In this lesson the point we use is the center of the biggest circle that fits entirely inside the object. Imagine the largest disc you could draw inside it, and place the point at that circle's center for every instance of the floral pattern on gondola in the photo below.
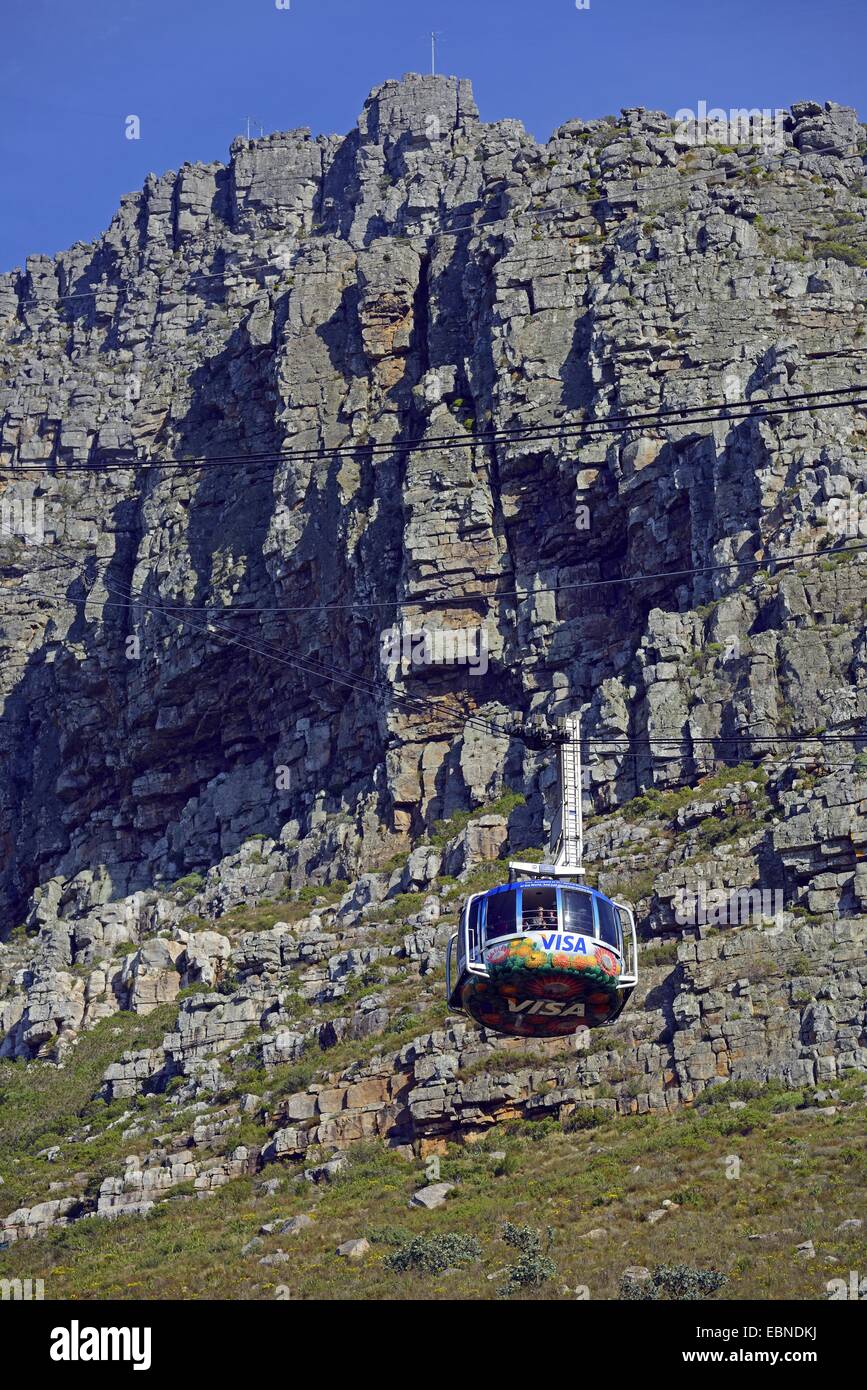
(525, 956)
(523, 975)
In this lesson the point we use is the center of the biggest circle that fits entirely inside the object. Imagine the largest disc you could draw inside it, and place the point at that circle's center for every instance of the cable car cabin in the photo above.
(542, 958)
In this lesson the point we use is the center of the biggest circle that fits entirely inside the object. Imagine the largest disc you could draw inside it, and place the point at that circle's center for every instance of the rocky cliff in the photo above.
(427, 277)
(284, 404)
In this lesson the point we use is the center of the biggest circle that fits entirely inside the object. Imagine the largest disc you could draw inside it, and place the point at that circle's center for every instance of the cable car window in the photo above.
(539, 909)
(501, 914)
(473, 916)
(578, 913)
(608, 923)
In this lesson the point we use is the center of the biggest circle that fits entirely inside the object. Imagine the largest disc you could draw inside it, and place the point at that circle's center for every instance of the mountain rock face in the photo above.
(432, 278)
(221, 794)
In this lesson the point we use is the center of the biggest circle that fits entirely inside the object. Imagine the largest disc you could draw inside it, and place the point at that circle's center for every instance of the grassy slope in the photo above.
(802, 1173)
(43, 1106)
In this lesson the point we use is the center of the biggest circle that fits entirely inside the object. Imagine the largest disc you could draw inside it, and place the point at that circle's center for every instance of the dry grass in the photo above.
(802, 1173)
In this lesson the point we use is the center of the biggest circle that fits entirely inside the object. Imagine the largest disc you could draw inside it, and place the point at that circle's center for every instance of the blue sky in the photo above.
(193, 70)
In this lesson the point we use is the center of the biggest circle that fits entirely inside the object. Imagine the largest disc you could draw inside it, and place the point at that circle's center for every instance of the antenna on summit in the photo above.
(434, 35)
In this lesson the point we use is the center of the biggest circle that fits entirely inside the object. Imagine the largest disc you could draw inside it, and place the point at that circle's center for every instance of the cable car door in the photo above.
(466, 946)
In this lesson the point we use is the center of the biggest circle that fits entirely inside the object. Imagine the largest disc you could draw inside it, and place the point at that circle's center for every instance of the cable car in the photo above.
(540, 956)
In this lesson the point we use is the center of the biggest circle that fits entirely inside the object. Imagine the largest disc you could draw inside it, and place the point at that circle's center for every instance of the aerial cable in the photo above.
(458, 719)
(725, 414)
(520, 595)
(363, 685)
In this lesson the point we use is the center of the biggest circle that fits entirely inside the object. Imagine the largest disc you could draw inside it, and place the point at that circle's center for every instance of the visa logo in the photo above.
(548, 1008)
(558, 942)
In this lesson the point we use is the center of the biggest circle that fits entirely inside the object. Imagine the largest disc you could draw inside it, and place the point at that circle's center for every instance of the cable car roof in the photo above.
(542, 883)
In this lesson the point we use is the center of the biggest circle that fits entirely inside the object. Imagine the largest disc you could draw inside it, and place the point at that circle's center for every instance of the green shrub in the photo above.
(741, 1090)
(665, 804)
(483, 876)
(390, 1235)
(532, 1131)
(329, 892)
(398, 908)
(635, 887)
(534, 1265)
(190, 990)
(673, 1282)
(187, 887)
(662, 953)
(433, 1254)
(445, 830)
(840, 251)
(503, 1062)
(583, 1117)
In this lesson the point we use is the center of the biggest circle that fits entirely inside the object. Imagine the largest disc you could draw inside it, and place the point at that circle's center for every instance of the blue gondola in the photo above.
(540, 957)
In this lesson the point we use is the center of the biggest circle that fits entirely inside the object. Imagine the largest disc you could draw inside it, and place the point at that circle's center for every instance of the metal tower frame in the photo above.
(567, 827)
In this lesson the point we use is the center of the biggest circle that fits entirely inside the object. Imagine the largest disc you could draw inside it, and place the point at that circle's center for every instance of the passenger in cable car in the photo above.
(539, 909)
(540, 919)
